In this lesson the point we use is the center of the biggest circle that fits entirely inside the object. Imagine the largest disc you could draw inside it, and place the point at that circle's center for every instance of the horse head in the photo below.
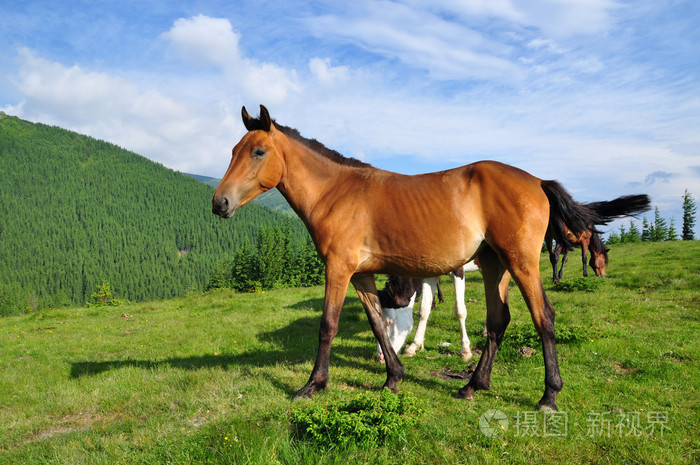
(597, 262)
(599, 256)
(256, 165)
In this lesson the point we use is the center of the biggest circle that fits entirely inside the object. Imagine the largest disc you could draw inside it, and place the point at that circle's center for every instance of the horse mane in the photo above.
(597, 245)
(319, 148)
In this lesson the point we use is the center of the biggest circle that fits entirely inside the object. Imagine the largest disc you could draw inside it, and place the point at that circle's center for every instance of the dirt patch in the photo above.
(622, 369)
(69, 423)
(527, 352)
(449, 374)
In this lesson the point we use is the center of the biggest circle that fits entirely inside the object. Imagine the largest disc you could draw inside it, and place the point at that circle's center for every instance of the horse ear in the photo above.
(265, 120)
(247, 119)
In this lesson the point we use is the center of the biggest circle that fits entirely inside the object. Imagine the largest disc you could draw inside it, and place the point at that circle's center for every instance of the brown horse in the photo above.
(588, 241)
(364, 220)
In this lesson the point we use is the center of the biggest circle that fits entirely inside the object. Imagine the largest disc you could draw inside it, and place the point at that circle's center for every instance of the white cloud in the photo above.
(327, 74)
(566, 18)
(204, 40)
(556, 18)
(445, 49)
(209, 41)
(112, 108)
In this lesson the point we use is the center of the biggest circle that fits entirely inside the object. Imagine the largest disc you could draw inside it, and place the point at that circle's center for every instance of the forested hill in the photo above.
(75, 211)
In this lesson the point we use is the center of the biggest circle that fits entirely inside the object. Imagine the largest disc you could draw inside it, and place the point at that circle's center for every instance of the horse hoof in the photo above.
(466, 356)
(392, 387)
(298, 397)
(547, 408)
(308, 391)
(466, 392)
(410, 351)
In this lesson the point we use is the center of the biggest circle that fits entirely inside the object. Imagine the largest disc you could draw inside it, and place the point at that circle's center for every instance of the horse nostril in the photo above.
(219, 205)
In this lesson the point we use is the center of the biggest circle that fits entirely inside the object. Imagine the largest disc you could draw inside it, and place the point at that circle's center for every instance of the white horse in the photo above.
(398, 298)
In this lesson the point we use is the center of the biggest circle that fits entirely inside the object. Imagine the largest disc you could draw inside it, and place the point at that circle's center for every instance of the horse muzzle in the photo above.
(220, 205)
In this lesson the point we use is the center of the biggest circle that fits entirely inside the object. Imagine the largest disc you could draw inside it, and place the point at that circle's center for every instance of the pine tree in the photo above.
(660, 228)
(689, 210)
(613, 238)
(672, 233)
(623, 233)
(646, 230)
(633, 234)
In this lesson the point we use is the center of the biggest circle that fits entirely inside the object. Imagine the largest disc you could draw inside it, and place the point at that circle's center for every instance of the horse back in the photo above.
(430, 224)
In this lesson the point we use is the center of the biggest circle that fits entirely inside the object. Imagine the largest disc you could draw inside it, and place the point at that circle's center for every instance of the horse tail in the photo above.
(564, 210)
(622, 206)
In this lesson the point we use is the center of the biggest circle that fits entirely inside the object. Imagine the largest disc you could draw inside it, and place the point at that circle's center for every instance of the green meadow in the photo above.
(208, 378)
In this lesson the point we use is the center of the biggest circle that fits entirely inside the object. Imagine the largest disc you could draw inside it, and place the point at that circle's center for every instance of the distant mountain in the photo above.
(75, 211)
(271, 199)
(213, 182)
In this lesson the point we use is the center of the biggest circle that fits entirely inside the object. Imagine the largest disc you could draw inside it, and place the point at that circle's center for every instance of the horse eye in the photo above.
(258, 152)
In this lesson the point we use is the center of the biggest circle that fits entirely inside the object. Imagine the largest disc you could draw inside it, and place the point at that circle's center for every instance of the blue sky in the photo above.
(602, 95)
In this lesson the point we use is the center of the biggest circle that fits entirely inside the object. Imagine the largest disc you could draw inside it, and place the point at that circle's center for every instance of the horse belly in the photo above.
(420, 251)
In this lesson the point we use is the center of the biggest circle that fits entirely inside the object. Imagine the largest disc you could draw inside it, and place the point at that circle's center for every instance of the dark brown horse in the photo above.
(488, 210)
(589, 239)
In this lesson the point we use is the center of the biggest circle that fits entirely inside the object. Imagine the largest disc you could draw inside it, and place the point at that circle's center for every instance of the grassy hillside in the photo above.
(75, 211)
(208, 378)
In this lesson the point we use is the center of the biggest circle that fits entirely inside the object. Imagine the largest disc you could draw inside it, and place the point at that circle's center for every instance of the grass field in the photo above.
(208, 378)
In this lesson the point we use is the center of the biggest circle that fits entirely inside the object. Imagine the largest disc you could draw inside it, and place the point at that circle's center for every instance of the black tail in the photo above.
(622, 206)
(564, 210)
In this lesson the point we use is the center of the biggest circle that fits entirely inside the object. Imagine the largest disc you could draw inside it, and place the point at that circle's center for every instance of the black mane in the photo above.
(318, 147)
(597, 245)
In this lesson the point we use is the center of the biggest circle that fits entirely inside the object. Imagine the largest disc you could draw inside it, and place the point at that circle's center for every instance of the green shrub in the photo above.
(367, 419)
(103, 297)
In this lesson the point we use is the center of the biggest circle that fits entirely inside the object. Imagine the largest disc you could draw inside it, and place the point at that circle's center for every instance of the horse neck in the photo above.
(308, 177)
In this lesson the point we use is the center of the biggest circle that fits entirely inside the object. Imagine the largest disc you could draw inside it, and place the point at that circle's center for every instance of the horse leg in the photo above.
(426, 304)
(553, 250)
(390, 320)
(496, 279)
(336, 288)
(367, 291)
(564, 259)
(542, 313)
(461, 315)
(584, 258)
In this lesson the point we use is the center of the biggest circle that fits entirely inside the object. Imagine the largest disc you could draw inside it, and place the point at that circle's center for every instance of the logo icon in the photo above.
(493, 423)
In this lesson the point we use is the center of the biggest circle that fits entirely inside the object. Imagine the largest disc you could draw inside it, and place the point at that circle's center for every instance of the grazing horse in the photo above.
(588, 241)
(365, 220)
(397, 299)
